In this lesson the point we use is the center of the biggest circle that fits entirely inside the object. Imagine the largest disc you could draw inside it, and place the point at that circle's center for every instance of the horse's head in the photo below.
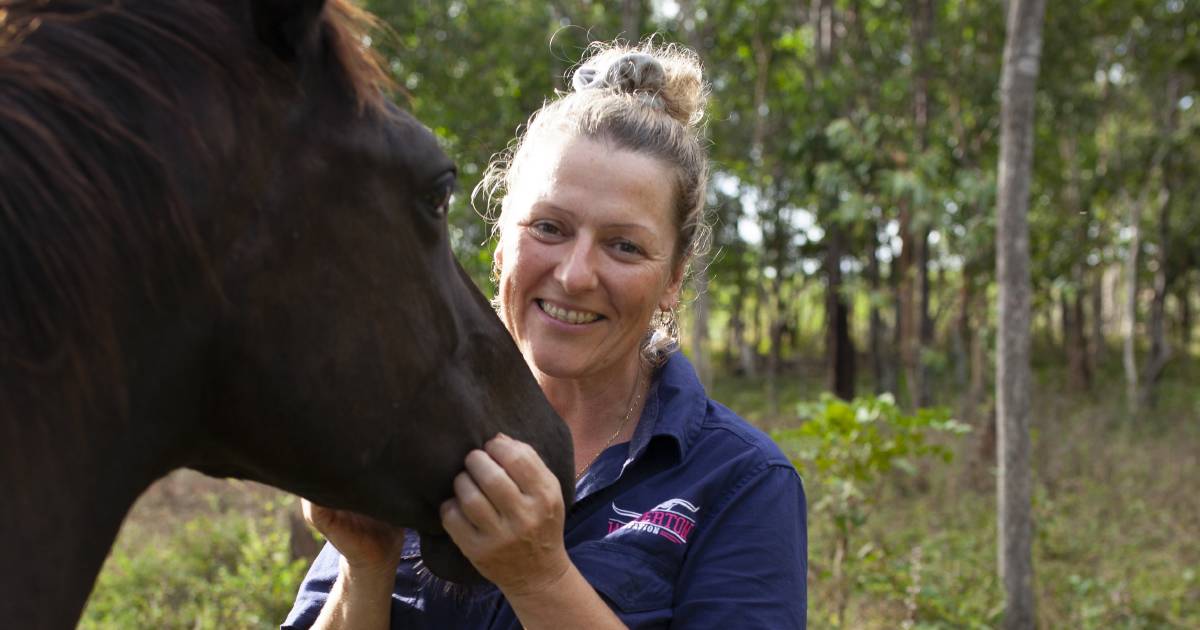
(221, 248)
(357, 363)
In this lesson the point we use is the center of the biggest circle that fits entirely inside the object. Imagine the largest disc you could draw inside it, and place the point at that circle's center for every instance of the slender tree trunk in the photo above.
(1097, 344)
(1129, 318)
(907, 300)
(895, 363)
(913, 263)
(1185, 319)
(631, 19)
(875, 331)
(1022, 58)
(700, 311)
(838, 347)
(743, 350)
(1160, 350)
(1074, 340)
(961, 344)
(925, 285)
(978, 344)
(1074, 325)
(774, 361)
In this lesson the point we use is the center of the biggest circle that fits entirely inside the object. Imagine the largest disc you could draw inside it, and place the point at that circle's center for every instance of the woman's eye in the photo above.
(547, 228)
(626, 247)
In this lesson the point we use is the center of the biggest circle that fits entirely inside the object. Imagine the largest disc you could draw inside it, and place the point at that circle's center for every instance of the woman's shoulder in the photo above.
(726, 433)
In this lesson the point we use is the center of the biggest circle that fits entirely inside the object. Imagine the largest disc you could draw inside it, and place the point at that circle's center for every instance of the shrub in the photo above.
(224, 571)
(847, 448)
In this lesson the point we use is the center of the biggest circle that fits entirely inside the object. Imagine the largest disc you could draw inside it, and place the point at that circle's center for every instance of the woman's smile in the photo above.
(568, 315)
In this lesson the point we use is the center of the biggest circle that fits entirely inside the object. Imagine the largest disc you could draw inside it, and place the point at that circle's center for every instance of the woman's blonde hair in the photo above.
(647, 98)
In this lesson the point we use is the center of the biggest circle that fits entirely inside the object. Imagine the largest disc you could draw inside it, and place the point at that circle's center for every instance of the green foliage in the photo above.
(850, 446)
(222, 571)
(845, 451)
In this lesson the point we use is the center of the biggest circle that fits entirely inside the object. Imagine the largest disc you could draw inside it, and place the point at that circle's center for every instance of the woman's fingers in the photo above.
(507, 514)
(493, 479)
(472, 500)
(524, 466)
(458, 526)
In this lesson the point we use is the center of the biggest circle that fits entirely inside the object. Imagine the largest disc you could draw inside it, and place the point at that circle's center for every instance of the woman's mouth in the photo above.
(567, 315)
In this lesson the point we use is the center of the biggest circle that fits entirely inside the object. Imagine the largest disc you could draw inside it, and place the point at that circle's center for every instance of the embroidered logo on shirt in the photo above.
(673, 519)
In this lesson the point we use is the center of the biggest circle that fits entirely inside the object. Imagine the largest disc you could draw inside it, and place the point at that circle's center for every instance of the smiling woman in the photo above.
(591, 245)
(684, 515)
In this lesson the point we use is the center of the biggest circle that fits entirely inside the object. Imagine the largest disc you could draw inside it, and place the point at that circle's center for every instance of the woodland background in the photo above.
(848, 304)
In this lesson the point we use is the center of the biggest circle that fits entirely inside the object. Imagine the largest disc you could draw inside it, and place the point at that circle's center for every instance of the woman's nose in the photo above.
(577, 271)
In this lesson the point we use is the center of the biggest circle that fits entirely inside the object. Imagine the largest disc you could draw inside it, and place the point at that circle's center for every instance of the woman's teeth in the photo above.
(568, 316)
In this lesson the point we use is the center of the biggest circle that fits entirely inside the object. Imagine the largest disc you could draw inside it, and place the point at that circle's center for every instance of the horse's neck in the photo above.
(73, 465)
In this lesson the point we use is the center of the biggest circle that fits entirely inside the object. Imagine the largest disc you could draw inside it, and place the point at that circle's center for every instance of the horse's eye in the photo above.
(438, 197)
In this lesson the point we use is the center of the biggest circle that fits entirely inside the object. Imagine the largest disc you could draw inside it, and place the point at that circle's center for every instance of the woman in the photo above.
(685, 516)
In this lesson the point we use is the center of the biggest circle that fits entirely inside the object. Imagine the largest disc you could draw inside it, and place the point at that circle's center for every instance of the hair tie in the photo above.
(631, 73)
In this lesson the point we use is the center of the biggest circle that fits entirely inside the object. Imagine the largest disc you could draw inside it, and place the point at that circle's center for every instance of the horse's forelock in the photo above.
(348, 26)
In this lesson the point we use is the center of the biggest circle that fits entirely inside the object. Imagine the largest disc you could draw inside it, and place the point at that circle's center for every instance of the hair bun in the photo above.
(629, 72)
(666, 77)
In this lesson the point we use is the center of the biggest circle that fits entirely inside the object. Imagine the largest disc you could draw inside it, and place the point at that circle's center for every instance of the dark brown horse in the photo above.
(221, 248)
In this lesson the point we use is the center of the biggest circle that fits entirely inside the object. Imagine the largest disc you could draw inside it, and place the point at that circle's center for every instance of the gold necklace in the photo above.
(637, 396)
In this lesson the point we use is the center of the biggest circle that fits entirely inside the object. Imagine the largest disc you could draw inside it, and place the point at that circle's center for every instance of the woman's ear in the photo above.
(670, 297)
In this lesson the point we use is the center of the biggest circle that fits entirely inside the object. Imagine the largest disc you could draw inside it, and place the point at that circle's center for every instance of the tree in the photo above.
(1022, 57)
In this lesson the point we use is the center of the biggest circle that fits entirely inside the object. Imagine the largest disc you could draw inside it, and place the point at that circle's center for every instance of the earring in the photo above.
(666, 323)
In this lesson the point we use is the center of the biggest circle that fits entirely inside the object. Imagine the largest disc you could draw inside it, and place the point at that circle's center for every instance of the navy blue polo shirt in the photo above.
(698, 522)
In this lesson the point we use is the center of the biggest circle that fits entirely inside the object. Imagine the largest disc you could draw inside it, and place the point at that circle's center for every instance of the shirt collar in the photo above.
(674, 412)
(674, 408)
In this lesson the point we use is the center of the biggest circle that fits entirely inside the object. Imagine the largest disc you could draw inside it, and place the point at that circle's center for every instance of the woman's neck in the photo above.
(599, 409)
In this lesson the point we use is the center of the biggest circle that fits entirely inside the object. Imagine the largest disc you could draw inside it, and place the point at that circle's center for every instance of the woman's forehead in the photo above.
(580, 176)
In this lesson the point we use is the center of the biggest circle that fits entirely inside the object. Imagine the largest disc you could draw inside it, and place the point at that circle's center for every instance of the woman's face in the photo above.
(586, 255)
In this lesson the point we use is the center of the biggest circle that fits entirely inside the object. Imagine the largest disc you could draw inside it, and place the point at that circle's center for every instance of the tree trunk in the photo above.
(907, 300)
(1160, 350)
(914, 279)
(839, 349)
(1097, 344)
(631, 20)
(875, 332)
(774, 360)
(700, 312)
(978, 344)
(1129, 317)
(1185, 319)
(1074, 340)
(960, 334)
(1074, 324)
(924, 394)
(1022, 57)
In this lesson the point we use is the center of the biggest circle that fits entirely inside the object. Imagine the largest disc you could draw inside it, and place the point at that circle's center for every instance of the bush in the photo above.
(224, 571)
(847, 448)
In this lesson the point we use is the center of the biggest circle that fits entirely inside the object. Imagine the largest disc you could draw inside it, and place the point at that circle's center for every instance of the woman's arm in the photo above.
(361, 596)
(360, 599)
(748, 564)
(507, 518)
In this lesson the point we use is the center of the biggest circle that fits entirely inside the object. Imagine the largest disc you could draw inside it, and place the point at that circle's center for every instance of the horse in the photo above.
(222, 247)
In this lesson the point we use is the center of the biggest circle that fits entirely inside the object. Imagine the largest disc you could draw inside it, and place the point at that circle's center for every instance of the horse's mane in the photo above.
(85, 187)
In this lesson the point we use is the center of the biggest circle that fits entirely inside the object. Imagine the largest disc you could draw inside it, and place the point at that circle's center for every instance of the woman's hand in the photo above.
(507, 517)
(366, 544)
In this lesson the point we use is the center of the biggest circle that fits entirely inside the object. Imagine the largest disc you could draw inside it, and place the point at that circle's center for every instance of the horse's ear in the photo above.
(288, 27)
